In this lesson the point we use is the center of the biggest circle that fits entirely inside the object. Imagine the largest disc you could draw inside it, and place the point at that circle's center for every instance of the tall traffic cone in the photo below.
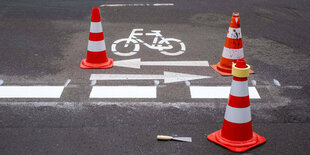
(233, 48)
(236, 133)
(96, 50)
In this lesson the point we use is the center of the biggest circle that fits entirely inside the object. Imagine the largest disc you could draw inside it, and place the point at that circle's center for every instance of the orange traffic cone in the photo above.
(233, 49)
(96, 50)
(236, 133)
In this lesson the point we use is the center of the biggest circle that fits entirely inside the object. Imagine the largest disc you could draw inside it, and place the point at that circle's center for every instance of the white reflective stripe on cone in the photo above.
(232, 53)
(234, 33)
(239, 88)
(238, 115)
(95, 27)
(96, 46)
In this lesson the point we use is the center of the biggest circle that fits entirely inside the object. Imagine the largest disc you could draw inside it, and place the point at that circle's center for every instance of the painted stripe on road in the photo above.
(175, 63)
(31, 91)
(137, 4)
(201, 92)
(123, 92)
(163, 4)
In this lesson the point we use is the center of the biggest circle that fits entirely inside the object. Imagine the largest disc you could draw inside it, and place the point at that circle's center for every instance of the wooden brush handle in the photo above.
(163, 137)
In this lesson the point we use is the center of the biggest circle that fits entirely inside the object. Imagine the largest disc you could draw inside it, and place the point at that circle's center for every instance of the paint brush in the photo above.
(166, 138)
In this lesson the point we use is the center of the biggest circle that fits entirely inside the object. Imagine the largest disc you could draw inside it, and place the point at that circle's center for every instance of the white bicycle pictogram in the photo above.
(159, 43)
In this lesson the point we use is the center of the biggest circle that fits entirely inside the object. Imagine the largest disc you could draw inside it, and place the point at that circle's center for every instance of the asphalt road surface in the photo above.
(43, 42)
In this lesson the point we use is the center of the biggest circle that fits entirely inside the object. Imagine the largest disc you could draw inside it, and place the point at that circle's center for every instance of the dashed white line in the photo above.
(201, 92)
(163, 4)
(123, 92)
(31, 91)
(137, 4)
(294, 87)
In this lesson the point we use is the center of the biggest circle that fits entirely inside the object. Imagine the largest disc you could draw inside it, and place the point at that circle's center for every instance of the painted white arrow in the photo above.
(169, 77)
(137, 63)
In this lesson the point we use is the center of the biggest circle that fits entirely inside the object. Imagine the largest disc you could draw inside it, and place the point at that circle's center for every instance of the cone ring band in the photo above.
(241, 72)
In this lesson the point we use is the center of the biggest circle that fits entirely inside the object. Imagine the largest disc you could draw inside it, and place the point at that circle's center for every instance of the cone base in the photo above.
(87, 65)
(224, 71)
(236, 146)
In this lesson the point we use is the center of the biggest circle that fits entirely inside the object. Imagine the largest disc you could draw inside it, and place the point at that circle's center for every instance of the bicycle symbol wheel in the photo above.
(116, 50)
(169, 40)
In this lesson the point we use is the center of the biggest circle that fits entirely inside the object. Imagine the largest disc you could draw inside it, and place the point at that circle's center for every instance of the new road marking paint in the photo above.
(31, 91)
(140, 4)
(163, 4)
(160, 43)
(215, 92)
(123, 92)
(169, 77)
(137, 63)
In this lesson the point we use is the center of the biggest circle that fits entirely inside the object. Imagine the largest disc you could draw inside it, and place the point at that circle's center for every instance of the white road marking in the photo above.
(253, 82)
(163, 4)
(93, 82)
(169, 77)
(138, 4)
(201, 92)
(31, 91)
(120, 5)
(276, 82)
(123, 92)
(67, 82)
(294, 87)
(187, 83)
(160, 43)
(175, 63)
(137, 63)
(156, 82)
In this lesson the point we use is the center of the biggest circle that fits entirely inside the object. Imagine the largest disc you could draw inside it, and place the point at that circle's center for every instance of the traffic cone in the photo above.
(233, 49)
(236, 133)
(96, 50)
